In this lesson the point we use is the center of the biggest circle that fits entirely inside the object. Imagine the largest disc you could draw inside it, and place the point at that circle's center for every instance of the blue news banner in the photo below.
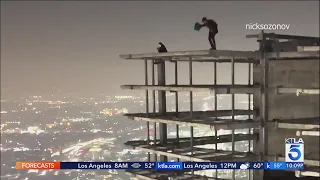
(182, 165)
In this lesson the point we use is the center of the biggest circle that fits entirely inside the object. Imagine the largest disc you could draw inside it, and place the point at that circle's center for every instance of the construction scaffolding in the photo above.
(260, 90)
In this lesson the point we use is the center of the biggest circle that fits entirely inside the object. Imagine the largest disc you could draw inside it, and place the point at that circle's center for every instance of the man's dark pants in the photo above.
(212, 40)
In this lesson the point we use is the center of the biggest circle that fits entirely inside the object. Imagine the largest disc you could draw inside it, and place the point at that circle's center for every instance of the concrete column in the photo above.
(162, 105)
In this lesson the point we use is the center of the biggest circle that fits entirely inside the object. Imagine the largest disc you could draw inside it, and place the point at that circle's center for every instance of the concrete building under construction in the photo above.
(283, 84)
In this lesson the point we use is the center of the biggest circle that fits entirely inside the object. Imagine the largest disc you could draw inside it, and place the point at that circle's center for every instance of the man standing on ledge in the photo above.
(213, 30)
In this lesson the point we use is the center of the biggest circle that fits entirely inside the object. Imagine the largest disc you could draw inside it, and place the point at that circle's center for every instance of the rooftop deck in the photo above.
(197, 141)
(223, 89)
(222, 56)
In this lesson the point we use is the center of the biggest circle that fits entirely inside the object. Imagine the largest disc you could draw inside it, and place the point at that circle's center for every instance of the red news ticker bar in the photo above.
(37, 165)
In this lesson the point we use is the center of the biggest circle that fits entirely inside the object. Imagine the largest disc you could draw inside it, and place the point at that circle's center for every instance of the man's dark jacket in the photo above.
(212, 25)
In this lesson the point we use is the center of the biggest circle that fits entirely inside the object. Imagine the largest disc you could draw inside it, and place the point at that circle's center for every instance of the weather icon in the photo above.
(135, 165)
(245, 166)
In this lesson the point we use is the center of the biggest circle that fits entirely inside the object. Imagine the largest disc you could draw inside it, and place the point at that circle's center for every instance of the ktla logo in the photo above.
(294, 150)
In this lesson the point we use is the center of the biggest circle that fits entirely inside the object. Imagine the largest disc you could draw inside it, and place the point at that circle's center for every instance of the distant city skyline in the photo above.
(74, 46)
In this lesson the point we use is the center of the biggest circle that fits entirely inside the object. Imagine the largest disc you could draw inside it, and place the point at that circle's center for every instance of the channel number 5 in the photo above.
(294, 148)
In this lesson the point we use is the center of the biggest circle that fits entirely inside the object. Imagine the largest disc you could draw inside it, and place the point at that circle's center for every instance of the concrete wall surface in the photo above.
(294, 74)
(298, 74)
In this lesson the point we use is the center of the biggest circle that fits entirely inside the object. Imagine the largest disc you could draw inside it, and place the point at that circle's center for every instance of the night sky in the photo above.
(74, 46)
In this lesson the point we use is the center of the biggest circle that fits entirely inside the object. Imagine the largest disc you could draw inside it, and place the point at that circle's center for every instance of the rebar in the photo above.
(176, 99)
(154, 108)
(232, 104)
(215, 109)
(191, 110)
(249, 116)
(147, 104)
